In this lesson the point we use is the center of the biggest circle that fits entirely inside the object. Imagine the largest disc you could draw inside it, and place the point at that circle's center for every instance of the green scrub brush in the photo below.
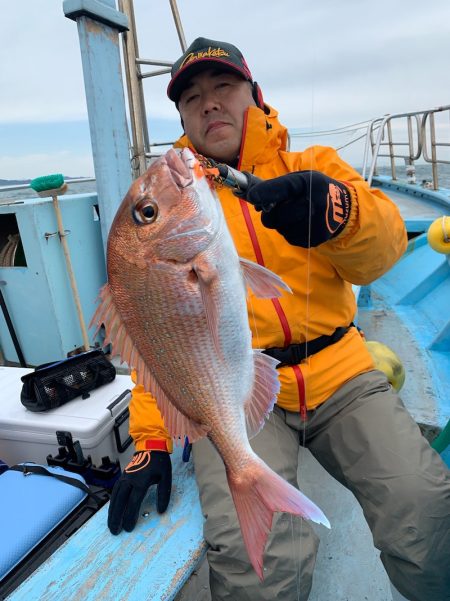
(49, 185)
(52, 185)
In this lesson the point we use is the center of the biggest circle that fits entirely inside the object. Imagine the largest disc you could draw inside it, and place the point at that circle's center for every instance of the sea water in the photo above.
(22, 193)
(423, 174)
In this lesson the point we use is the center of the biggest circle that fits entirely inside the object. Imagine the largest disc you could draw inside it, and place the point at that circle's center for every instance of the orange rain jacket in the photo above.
(321, 278)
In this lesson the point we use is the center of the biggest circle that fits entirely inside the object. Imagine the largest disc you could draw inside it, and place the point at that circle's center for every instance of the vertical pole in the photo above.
(99, 25)
(433, 152)
(10, 326)
(134, 84)
(391, 150)
(73, 282)
(178, 25)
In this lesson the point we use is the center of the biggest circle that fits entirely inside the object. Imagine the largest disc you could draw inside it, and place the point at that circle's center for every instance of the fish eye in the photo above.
(145, 211)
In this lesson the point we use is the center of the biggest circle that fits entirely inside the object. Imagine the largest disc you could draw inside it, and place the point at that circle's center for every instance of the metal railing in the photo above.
(142, 148)
(421, 141)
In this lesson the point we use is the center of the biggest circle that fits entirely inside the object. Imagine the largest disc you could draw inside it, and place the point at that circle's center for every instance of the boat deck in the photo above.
(418, 206)
(142, 564)
(407, 309)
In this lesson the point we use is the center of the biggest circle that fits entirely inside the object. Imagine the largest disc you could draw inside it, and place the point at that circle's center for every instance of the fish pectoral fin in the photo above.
(207, 275)
(263, 282)
(264, 393)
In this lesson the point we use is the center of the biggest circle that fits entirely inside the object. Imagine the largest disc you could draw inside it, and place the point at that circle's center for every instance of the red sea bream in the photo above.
(175, 309)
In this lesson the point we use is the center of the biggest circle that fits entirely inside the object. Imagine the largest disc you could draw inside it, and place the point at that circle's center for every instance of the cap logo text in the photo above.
(211, 52)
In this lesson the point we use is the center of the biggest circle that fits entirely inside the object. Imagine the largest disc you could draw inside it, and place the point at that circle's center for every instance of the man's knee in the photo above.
(289, 561)
(416, 553)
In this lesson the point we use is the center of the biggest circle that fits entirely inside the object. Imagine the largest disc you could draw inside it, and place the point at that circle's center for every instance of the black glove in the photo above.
(146, 468)
(306, 207)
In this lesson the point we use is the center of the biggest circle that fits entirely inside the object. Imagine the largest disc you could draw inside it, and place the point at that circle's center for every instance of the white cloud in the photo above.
(378, 50)
(40, 73)
(320, 63)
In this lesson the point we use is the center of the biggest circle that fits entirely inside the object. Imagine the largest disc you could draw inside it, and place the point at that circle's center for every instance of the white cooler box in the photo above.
(99, 423)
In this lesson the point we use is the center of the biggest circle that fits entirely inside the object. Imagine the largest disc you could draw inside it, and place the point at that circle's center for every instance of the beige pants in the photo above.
(364, 437)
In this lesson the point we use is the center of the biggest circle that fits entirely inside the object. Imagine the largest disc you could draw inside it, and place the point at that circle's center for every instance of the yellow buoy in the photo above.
(388, 362)
(439, 235)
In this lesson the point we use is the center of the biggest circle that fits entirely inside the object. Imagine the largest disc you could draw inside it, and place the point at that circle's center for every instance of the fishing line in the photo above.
(255, 327)
(277, 440)
(297, 548)
(307, 317)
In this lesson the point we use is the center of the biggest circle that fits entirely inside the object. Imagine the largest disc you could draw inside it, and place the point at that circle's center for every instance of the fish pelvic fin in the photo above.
(266, 387)
(258, 494)
(263, 282)
(107, 314)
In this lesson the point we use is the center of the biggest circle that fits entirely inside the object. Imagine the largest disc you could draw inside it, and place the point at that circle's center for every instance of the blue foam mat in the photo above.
(31, 507)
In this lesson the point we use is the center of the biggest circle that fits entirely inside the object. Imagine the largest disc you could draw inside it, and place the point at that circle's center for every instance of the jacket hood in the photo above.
(263, 137)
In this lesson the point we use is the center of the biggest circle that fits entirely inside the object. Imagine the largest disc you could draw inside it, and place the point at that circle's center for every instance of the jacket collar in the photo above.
(263, 137)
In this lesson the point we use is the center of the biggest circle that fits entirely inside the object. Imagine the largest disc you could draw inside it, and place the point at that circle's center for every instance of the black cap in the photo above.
(204, 52)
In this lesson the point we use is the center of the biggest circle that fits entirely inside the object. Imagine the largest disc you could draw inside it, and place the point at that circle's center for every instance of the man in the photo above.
(318, 225)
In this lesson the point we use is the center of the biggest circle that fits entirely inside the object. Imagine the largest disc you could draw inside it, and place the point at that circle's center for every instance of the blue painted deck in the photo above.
(153, 562)
(418, 206)
(409, 310)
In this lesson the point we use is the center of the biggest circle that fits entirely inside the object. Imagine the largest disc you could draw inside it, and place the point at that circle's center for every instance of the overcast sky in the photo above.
(321, 63)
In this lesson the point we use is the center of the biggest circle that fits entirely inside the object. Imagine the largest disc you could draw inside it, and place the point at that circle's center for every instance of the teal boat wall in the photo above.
(39, 296)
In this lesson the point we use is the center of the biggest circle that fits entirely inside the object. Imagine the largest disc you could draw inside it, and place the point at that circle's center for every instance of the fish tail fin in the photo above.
(257, 495)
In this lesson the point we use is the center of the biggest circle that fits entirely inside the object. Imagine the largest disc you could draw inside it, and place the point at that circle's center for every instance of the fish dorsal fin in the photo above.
(107, 314)
(263, 282)
(266, 387)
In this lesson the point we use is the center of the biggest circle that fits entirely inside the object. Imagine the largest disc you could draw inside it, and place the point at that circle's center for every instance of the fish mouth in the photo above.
(195, 231)
(180, 167)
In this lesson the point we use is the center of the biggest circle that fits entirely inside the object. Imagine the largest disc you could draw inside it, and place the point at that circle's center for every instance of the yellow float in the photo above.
(388, 362)
(439, 235)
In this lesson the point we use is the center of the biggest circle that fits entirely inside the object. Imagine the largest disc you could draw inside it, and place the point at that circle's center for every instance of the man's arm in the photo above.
(329, 207)
(375, 236)
(150, 465)
(147, 427)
